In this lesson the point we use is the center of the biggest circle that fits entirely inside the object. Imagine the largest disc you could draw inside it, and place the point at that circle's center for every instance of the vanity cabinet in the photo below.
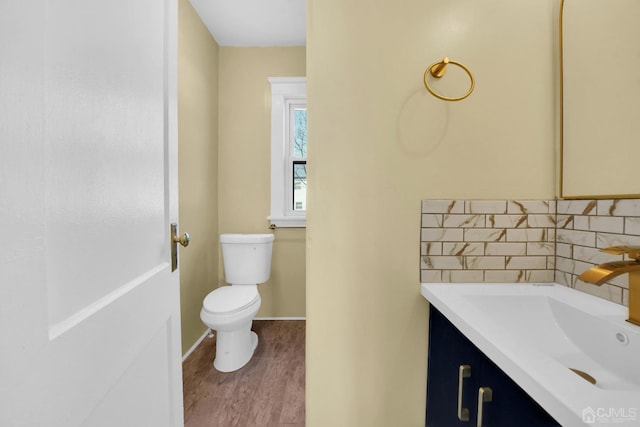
(464, 385)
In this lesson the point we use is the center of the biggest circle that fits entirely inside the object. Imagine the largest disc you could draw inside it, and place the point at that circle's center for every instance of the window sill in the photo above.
(288, 221)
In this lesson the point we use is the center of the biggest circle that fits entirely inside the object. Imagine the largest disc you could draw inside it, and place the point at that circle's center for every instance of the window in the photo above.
(288, 151)
(298, 151)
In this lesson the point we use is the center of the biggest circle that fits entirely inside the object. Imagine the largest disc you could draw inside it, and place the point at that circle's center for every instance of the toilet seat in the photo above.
(230, 299)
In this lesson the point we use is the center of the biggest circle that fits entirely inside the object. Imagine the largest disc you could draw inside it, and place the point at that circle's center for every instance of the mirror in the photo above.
(600, 147)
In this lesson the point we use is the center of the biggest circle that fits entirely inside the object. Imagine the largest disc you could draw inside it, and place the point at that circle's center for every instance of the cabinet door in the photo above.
(448, 350)
(510, 405)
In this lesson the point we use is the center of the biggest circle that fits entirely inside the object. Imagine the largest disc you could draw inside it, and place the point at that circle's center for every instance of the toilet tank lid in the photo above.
(246, 238)
(226, 299)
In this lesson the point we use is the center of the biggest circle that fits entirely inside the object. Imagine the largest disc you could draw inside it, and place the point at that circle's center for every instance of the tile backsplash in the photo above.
(487, 241)
(526, 241)
(585, 227)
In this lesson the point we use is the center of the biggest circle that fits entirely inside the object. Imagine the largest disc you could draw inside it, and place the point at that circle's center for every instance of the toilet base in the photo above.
(235, 348)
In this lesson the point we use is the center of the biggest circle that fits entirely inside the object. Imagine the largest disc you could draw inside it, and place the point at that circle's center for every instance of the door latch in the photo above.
(175, 239)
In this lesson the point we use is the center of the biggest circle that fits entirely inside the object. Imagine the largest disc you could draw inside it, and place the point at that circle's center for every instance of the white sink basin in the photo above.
(603, 346)
(538, 333)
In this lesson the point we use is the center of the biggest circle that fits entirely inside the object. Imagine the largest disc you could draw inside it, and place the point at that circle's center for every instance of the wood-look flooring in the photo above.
(267, 392)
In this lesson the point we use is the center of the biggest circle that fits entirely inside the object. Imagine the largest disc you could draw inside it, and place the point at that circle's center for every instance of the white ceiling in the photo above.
(254, 22)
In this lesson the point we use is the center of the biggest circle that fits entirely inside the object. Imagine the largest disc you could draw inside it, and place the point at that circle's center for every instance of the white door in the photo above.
(89, 307)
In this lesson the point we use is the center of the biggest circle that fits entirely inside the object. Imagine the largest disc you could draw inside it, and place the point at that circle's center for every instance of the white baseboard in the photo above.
(195, 345)
(280, 318)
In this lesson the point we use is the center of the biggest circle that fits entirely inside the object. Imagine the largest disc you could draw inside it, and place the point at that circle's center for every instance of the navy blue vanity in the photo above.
(488, 397)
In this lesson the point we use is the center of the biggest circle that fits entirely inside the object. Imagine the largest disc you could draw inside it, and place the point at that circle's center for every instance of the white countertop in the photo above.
(535, 332)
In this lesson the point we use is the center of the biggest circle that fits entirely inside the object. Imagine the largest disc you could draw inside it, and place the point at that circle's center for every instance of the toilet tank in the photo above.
(246, 258)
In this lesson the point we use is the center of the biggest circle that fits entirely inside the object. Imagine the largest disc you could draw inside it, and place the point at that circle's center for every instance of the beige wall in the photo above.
(198, 161)
(244, 167)
(378, 145)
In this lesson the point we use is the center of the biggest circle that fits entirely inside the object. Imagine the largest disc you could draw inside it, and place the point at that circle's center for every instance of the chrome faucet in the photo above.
(604, 272)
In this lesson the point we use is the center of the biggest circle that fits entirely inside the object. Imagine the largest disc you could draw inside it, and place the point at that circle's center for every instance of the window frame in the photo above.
(287, 93)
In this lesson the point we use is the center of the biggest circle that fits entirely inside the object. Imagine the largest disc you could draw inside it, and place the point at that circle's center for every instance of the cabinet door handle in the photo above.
(464, 371)
(485, 394)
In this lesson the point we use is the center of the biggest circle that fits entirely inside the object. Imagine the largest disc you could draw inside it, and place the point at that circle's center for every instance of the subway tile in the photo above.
(426, 263)
(551, 263)
(530, 206)
(528, 235)
(463, 276)
(611, 293)
(442, 262)
(483, 262)
(430, 276)
(507, 221)
(484, 235)
(431, 248)
(540, 221)
(625, 297)
(619, 207)
(442, 206)
(526, 241)
(462, 248)
(632, 225)
(562, 206)
(584, 238)
(540, 248)
(562, 278)
(621, 281)
(593, 255)
(572, 266)
(551, 234)
(565, 265)
(540, 276)
(564, 250)
(431, 220)
(504, 276)
(577, 207)
(496, 248)
(464, 221)
(604, 240)
(565, 221)
(607, 224)
(485, 206)
(526, 263)
(606, 207)
(442, 235)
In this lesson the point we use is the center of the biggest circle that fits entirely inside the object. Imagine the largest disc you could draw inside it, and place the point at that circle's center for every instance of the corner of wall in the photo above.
(198, 166)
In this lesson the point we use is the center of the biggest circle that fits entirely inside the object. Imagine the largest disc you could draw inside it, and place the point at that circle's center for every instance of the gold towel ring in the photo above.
(438, 69)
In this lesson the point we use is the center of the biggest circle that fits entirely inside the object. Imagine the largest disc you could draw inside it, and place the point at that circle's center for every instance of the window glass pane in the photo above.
(300, 133)
(300, 186)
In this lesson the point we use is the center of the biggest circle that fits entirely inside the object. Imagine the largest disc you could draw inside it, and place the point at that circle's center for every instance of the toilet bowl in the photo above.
(229, 310)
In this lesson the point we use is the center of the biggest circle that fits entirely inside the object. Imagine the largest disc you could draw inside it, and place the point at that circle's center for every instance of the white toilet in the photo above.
(229, 310)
